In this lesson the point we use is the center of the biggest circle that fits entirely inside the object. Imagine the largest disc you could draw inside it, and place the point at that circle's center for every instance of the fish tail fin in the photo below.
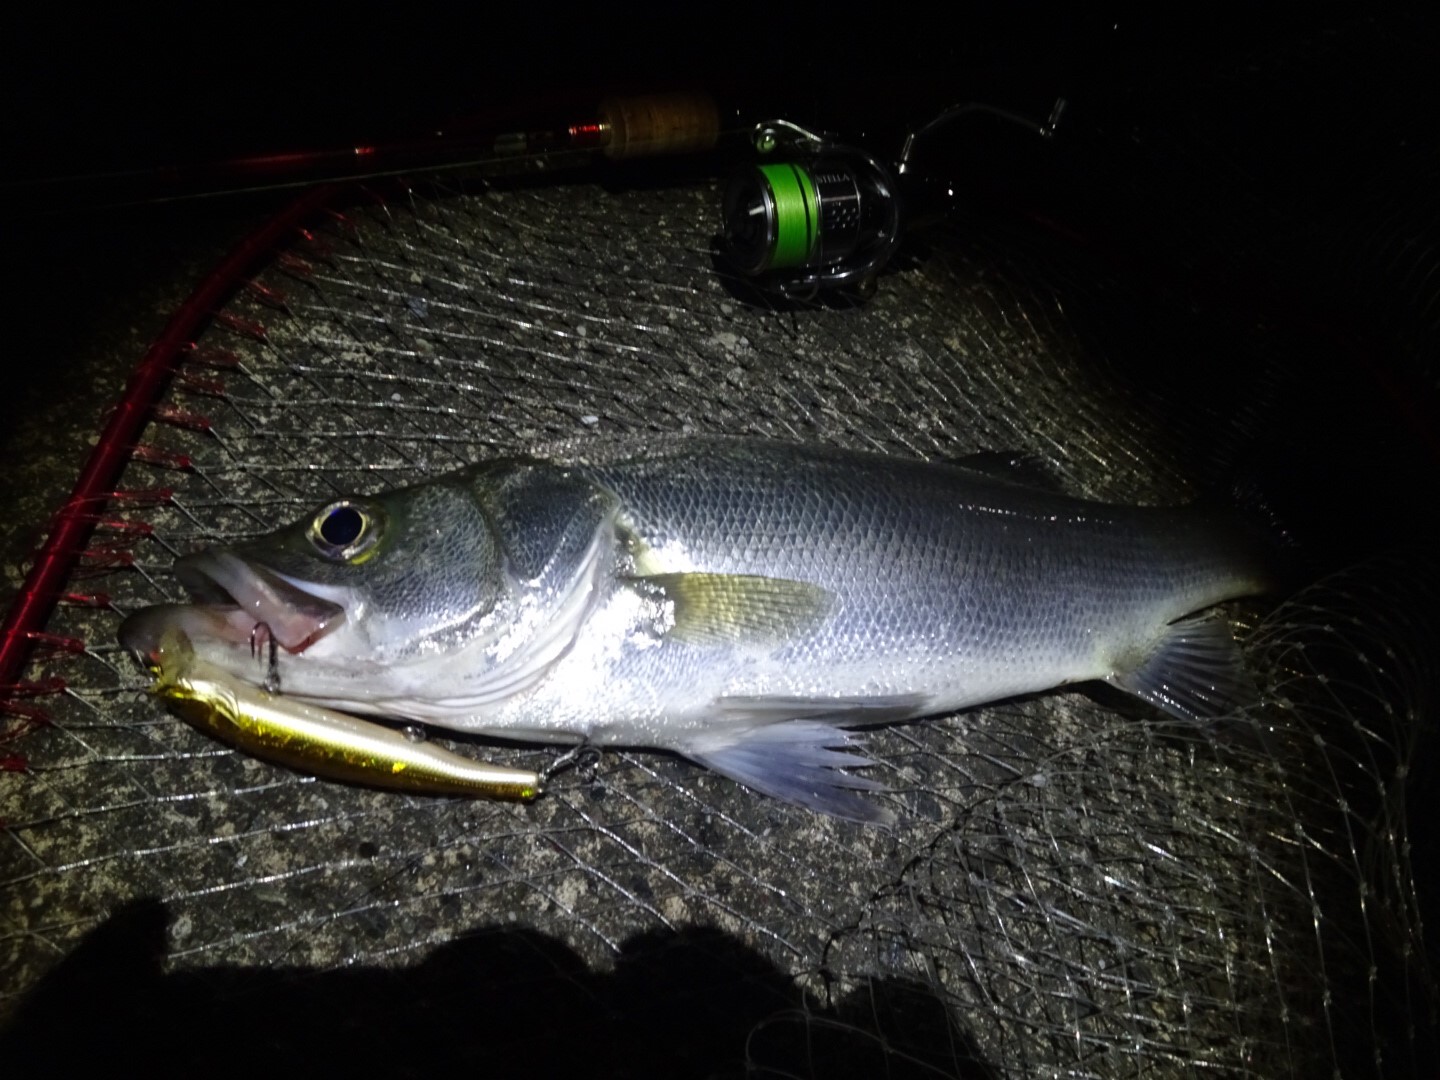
(799, 761)
(1194, 671)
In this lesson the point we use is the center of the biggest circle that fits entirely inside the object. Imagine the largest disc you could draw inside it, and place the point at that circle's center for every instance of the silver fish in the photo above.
(739, 602)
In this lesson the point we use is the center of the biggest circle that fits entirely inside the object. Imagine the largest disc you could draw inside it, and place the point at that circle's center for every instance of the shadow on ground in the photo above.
(499, 1002)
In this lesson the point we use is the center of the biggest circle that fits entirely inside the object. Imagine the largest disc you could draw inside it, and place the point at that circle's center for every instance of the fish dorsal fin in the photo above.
(1017, 467)
(715, 609)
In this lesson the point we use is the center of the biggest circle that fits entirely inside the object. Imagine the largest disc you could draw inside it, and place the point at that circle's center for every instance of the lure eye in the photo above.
(345, 531)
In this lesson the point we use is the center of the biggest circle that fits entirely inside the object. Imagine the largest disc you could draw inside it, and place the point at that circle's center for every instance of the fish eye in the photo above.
(346, 531)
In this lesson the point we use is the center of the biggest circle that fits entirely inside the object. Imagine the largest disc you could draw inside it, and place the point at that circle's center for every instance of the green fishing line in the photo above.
(797, 220)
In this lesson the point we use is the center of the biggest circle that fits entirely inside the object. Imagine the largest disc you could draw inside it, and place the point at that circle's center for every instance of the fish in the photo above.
(744, 603)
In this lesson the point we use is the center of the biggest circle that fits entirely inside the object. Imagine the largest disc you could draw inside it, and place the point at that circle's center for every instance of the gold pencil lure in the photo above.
(316, 740)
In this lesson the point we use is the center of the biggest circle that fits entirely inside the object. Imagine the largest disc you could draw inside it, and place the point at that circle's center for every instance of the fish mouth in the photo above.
(231, 600)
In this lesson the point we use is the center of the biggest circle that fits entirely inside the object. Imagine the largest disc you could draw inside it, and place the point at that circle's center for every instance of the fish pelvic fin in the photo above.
(800, 762)
(1194, 671)
(736, 609)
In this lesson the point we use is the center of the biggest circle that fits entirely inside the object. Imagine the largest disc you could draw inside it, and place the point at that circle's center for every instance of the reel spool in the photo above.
(828, 217)
(823, 215)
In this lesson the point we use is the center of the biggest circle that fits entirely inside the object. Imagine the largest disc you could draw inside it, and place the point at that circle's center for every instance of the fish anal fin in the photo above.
(859, 711)
(714, 609)
(1194, 671)
(800, 762)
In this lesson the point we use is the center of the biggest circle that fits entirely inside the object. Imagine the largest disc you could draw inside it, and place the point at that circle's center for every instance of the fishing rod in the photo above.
(618, 128)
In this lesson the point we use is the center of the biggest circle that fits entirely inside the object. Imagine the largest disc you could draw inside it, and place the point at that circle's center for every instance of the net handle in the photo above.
(71, 527)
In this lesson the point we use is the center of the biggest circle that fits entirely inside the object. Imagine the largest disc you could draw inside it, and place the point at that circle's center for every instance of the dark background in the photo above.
(1323, 117)
(1313, 111)
(97, 108)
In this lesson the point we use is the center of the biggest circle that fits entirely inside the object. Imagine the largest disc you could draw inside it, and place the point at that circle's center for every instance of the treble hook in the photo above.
(586, 755)
(272, 670)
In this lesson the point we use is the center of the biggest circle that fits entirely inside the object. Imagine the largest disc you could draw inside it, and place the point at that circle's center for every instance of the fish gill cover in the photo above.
(1077, 885)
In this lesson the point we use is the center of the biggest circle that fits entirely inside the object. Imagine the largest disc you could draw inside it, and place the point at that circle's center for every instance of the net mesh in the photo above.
(1077, 887)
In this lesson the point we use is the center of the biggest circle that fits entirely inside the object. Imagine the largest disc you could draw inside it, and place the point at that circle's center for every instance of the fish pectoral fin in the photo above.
(1194, 671)
(718, 609)
(800, 762)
